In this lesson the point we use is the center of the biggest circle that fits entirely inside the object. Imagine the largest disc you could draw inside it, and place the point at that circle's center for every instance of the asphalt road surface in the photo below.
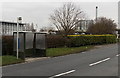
(101, 61)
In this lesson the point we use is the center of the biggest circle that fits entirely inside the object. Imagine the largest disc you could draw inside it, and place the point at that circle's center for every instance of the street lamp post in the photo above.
(96, 12)
(18, 20)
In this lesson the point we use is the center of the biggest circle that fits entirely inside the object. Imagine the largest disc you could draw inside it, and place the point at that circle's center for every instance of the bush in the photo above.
(54, 41)
(82, 40)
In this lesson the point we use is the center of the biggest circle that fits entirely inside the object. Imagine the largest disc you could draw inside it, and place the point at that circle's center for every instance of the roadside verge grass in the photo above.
(6, 60)
(52, 52)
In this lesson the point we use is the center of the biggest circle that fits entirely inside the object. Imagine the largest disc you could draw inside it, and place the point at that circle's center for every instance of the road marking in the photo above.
(118, 55)
(62, 74)
(83, 52)
(99, 62)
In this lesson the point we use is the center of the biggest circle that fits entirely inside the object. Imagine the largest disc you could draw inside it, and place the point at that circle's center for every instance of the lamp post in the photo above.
(18, 21)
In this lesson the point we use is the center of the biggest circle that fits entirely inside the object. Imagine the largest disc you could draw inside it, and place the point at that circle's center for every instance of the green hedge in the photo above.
(54, 41)
(83, 40)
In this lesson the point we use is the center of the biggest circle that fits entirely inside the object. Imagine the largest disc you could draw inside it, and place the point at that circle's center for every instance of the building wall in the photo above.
(7, 28)
(83, 25)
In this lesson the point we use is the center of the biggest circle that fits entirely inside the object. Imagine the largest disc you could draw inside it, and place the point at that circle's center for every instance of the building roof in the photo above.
(6, 22)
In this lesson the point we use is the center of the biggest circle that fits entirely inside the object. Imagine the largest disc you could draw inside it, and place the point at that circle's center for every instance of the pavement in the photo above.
(101, 61)
(29, 59)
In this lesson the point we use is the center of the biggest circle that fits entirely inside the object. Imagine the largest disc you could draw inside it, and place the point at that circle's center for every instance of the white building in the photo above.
(83, 25)
(7, 28)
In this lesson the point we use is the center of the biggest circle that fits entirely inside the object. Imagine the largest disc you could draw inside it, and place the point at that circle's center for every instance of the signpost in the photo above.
(18, 21)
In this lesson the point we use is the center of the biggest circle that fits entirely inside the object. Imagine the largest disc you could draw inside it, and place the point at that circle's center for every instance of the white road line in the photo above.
(83, 52)
(62, 74)
(118, 55)
(99, 62)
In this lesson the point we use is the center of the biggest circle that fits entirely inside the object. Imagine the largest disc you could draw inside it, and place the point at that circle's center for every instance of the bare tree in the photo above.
(66, 18)
(32, 27)
(27, 27)
(102, 26)
(43, 29)
(49, 29)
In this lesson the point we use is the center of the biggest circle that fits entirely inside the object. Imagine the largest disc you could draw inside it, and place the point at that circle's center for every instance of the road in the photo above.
(101, 61)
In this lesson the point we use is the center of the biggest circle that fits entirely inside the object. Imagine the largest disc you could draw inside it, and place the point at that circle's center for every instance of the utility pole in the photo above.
(96, 12)
(18, 21)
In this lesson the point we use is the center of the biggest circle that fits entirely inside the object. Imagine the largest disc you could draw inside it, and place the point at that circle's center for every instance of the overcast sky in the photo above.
(39, 12)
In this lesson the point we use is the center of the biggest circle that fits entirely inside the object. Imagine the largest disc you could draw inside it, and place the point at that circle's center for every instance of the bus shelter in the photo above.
(30, 44)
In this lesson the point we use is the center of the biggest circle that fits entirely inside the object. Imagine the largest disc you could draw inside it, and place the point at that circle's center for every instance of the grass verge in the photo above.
(7, 60)
(52, 52)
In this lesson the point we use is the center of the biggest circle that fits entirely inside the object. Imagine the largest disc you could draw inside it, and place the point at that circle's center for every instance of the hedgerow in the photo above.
(81, 40)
